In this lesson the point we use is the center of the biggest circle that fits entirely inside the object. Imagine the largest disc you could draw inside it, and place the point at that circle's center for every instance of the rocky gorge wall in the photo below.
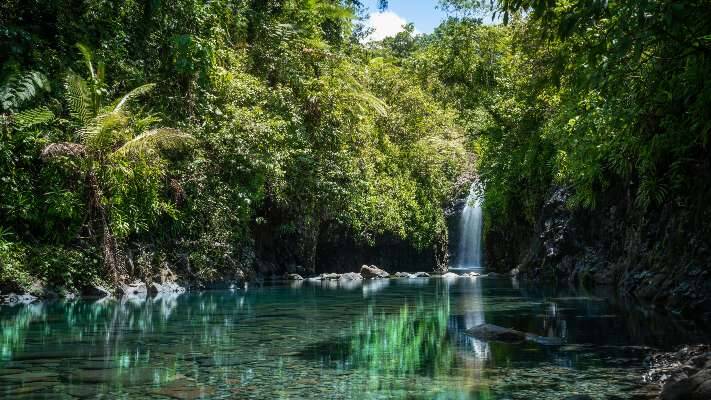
(660, 257)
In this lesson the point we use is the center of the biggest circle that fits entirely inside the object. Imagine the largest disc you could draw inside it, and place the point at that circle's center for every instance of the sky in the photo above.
(423, 13)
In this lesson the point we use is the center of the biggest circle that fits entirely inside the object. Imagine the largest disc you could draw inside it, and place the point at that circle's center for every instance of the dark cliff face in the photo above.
(660, 257)
(282, 245)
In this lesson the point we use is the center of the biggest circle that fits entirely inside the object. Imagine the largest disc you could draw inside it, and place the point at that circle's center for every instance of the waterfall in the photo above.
(469, 250)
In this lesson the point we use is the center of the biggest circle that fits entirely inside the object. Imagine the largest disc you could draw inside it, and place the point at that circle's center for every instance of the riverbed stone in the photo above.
(372, 272)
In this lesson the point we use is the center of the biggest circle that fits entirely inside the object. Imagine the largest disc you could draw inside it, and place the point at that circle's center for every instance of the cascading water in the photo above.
(469, 250)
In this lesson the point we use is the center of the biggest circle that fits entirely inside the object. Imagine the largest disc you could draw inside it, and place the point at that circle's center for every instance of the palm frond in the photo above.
(160, 139)
(78, 97)
(141, 90)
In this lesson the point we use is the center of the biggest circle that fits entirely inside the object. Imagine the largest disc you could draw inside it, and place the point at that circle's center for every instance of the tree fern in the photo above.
(78, 98)
(31, 117)
(160, 139)
(141, 90)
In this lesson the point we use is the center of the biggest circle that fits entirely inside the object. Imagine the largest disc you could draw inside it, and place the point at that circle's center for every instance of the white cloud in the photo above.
(384, 24)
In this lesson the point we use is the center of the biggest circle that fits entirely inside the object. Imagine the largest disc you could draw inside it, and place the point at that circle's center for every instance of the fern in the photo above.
(21, 88)
(34, 116)
(78, 98)
(156, 139)
(141, 90)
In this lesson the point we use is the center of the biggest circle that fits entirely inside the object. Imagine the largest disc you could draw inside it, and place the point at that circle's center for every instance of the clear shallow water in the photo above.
(380, 339)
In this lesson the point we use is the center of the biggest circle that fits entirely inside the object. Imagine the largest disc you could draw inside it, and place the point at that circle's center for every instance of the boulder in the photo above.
(402, 275)
(294, 277)
(330, 277)
(373, 272)
(420, 275)
(351, 276)
(450, 275)
(496, 333)
(168, 287)
(15, 299)
(682, 375)
(471, 275)
(96, 291)
(135, 289)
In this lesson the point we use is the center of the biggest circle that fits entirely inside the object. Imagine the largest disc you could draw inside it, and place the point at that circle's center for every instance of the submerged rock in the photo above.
(351, 276)
(373, 272)
(496, 333)
(500, 334)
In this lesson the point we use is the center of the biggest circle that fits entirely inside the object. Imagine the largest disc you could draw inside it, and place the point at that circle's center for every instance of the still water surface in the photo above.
(382, 339)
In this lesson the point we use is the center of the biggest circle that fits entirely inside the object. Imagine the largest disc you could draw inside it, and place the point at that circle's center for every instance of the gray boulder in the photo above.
(420, 275)
(16, 299)
(402, 275)
(373, 272)
(167, 287)
(351, 276)
(294, 277)
(135, 289)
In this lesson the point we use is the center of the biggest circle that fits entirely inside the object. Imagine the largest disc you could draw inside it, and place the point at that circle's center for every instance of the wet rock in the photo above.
(294, 277)
(97, 291)
(471, 275)
(496, 333)
(168, 287)
(135, 289)
(420, 275)
(450, 275)
(331, 277)
(402, 275)
(351, 276)
(16, 299)
(372, 272)
(681, 375)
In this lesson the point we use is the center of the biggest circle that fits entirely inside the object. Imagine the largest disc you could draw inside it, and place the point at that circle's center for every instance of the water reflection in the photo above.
(387, 338)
